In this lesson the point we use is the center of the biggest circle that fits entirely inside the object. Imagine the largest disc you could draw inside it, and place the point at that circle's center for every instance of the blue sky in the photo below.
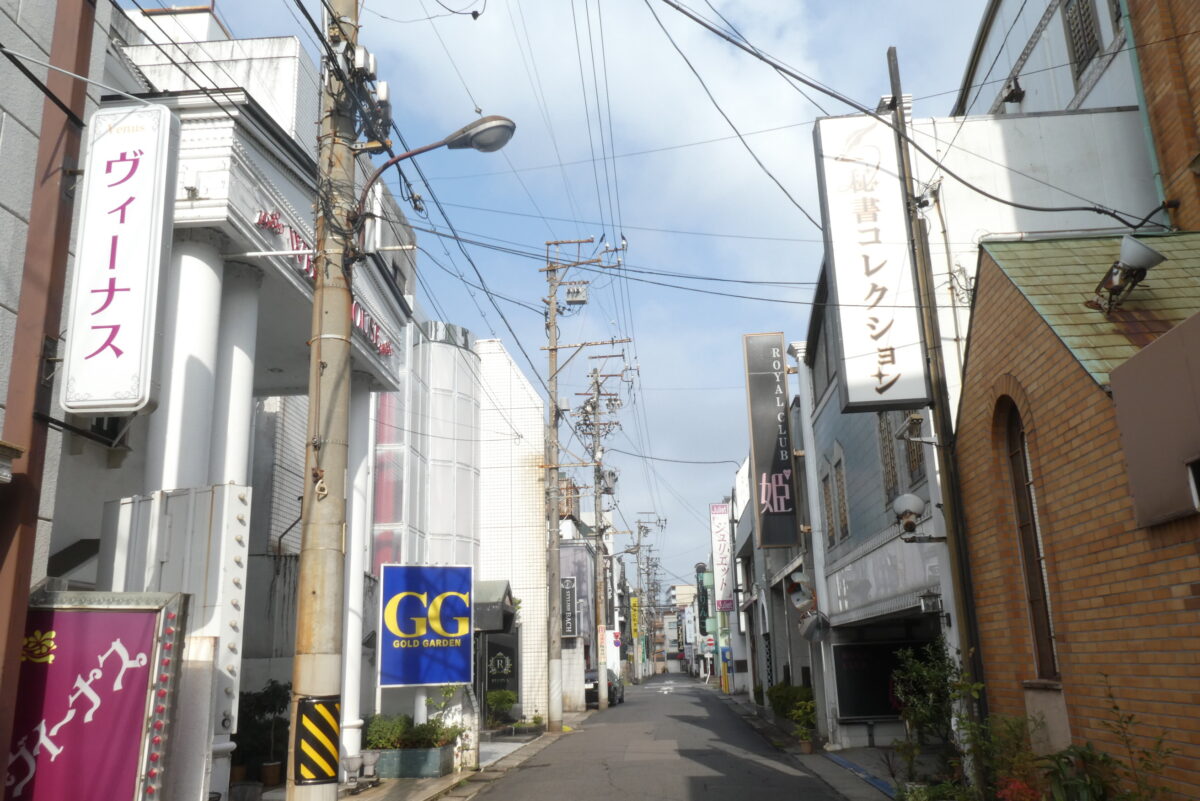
(616, 136)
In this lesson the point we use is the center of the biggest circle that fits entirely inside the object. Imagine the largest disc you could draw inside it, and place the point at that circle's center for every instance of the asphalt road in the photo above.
(672, 740)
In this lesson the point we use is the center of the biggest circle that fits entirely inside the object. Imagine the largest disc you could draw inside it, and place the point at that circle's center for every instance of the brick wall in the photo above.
(1124, 601)
(1169, 56)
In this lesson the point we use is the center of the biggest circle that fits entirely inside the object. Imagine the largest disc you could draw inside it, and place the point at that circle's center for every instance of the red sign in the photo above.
(87, 701)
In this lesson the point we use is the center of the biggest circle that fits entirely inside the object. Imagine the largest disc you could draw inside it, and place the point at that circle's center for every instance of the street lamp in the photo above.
(486, 134)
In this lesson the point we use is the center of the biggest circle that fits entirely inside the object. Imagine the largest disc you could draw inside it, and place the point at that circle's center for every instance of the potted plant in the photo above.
(804, 715)
(262, 731)
(500, 704)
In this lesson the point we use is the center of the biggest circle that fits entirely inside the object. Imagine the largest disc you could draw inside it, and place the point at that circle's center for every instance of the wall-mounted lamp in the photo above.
(908, 509)
(1127, 272)
(931, 604)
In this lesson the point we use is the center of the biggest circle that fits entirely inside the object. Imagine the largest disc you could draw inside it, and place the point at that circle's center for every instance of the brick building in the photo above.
(1068, 586)
(1168, 55)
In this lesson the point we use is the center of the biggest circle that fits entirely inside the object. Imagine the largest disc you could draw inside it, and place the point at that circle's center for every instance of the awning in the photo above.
(494, 606)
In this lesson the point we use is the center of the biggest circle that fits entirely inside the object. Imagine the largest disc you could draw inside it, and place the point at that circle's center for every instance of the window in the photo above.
(914, 453)
(839, 475)
(1083, 33)
(887, 454)
(1030, 539)
(827, 503)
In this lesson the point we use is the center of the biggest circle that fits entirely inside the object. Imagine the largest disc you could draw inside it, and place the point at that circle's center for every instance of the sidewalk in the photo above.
(858, 774)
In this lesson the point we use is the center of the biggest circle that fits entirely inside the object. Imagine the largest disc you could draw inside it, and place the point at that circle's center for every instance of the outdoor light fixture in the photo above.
(908, 509)
(931, 604)
(1127, 272)
(352, 766)
(486, 134)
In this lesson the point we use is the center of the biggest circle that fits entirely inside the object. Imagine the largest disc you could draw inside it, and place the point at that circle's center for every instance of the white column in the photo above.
(233, 401)
(361, 483)
(177, 447)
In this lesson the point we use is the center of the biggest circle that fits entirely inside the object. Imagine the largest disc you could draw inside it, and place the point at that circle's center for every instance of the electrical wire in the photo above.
(770, 61)
(674, 461)
(720, 110)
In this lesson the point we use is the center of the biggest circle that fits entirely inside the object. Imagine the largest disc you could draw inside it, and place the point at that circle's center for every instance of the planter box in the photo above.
(408, 763)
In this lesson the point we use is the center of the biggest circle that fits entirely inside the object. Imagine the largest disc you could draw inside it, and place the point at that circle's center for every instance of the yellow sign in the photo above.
(317, 740)
(633, 615)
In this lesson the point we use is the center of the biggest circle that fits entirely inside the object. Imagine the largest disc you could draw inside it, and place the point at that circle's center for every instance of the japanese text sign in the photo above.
(722, 554)
(93, 703)
(772, 493)
(123, 241)
(871, 269)
(426, 624)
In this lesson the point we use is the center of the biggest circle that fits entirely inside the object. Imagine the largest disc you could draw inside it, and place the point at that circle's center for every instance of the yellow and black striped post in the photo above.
(315, 756)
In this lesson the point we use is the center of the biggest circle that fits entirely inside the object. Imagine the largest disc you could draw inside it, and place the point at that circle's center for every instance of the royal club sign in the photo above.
(95, 699)
(426, 623)
(871, 267)
(123, 242)
(770, 441)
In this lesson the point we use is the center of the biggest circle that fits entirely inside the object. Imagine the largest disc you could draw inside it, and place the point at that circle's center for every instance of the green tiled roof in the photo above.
(1057, 275)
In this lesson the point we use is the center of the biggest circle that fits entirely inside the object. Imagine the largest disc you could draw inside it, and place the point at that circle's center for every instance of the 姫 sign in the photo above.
(123, 241)
(425, 625)
(770, 441)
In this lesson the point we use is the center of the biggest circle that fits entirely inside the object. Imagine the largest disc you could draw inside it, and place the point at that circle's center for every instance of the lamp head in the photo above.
(908, 509)
(1138, 256)
(486, 134)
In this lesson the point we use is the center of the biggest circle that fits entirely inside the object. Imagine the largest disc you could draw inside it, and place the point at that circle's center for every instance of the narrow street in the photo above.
(672, 740)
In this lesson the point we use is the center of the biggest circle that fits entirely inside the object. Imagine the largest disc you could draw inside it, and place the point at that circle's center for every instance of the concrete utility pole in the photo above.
(593, 419)
(555, 277)
(943, 427)
(317, 671)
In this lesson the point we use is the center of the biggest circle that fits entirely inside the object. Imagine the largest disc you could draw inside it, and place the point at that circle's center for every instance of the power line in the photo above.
(675, 461)
(770, 61)
(720, 110)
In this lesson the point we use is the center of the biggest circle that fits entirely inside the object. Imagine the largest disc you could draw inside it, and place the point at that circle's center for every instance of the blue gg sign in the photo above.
(425, 626)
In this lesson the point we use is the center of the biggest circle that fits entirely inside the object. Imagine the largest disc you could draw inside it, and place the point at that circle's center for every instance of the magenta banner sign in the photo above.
(95, 687)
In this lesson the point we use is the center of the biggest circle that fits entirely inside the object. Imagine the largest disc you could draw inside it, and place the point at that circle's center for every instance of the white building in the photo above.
(512, 519)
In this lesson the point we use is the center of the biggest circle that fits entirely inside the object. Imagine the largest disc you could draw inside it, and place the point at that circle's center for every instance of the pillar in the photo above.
(360, 481)
(178, 446)
(233, 400)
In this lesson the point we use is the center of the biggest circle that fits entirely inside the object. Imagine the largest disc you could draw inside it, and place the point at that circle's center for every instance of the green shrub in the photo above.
(500, 703)
(783, 698)
(758, 694)
(387, 731)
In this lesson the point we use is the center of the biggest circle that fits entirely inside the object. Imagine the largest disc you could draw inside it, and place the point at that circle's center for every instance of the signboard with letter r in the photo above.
(425, 626)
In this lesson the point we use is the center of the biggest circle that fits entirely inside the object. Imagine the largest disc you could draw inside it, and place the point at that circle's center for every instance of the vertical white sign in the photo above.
(722, 550)
(870, 261)
(123, 240)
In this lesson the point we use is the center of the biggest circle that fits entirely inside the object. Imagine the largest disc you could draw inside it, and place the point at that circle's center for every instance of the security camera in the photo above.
(908, 509)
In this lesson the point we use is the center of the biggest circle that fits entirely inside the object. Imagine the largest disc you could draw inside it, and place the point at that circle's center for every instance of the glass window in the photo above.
(887, 453)
(1083, 33)
(1030, 538)
(827, 503)
(839, 474)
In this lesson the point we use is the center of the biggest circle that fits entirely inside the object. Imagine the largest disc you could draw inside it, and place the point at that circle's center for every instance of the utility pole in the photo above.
(593, 420)
(943, 427)
(555, 277)
(554, 710)
(317, 671)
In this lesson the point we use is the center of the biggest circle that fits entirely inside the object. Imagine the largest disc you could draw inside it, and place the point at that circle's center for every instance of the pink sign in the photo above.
(84, 706)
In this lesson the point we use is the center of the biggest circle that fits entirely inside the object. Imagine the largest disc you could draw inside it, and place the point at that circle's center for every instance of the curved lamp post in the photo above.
(486, 134)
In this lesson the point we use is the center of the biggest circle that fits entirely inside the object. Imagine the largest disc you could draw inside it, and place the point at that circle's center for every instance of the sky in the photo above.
(618, 138)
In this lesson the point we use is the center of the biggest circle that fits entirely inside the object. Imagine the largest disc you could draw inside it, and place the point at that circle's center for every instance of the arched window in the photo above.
(1033, 561)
